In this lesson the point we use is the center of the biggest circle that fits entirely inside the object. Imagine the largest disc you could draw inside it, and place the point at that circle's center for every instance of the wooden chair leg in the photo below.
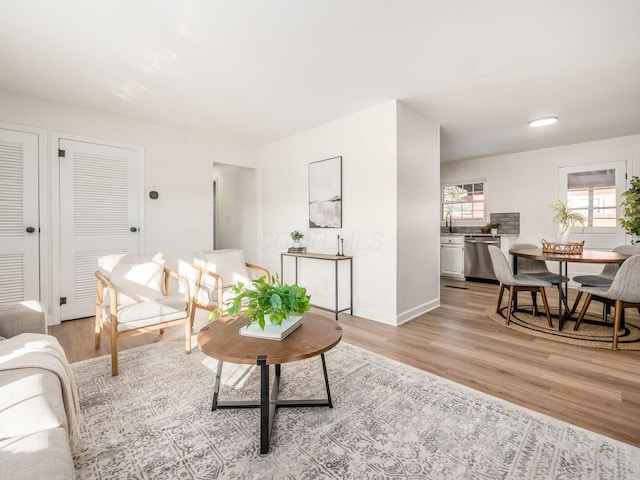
(98, 324)
(114, 349)
(510, 305)
(543, 294)
(187, 334)
(587, 301)
(500, 298)
(162, 331)
(617, 322)
(97, 329)
(575, 304)
(192, 314)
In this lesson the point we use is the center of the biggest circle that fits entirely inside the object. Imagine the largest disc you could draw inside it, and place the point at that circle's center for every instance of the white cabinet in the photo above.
(452, 257)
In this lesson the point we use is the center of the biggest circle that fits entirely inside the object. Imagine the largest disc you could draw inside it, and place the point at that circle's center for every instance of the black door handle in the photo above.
(133, 229)
(30, 229)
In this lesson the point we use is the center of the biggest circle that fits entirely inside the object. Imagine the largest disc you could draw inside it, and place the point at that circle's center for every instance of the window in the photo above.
(595, 192)
(463, 201)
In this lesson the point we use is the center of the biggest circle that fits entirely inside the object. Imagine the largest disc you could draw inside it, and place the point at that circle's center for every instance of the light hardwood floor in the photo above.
(595, 389)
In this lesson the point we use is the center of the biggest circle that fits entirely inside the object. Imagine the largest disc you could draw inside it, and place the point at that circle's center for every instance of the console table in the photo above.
(332, 258)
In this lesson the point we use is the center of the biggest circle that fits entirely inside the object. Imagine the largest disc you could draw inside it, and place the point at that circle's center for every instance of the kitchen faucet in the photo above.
(448, 222)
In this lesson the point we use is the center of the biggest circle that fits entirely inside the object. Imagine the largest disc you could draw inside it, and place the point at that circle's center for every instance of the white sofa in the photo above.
(35, 422)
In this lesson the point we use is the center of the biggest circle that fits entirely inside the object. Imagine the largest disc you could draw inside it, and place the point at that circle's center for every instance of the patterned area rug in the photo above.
(389, 420)
(593, 332)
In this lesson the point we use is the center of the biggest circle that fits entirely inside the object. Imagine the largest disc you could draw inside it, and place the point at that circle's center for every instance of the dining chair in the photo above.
(216, 271)
(516, 283)
(133, 297)
(539, 269)
(605, 277)
(624, 292)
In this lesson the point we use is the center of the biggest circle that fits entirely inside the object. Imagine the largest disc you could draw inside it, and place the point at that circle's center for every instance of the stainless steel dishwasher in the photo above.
(477, 262)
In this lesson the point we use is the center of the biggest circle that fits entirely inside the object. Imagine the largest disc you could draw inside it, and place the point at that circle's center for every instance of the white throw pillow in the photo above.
(229, 264)
(108, 262)
(137, 282)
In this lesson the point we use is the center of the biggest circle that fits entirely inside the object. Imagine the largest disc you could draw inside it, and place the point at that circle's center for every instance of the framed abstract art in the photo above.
(325, 193)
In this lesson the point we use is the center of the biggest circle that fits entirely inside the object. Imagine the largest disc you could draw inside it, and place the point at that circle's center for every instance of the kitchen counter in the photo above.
(460, 234)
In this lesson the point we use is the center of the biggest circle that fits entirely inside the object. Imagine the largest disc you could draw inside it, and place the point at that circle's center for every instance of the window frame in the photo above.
(474, 221)
(620, 167)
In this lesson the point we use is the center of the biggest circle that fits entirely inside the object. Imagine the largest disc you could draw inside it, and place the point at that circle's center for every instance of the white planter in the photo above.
(296, 244)
(563, 234)
(494, 231)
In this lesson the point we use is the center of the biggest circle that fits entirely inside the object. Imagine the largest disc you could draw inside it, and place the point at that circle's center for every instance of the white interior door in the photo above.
(19, 226)
(99, 215)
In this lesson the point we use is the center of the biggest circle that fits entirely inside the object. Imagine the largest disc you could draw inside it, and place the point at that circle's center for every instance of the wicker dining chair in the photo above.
(517, 283)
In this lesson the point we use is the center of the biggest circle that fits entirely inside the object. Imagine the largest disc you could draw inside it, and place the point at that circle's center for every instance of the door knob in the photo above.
(30, 229)
(133, 229)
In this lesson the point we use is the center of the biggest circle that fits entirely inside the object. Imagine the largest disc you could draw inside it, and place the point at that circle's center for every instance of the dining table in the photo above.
(563, 259)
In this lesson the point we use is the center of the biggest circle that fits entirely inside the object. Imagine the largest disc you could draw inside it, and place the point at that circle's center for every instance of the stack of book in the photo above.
(272, 331)
(297, 250)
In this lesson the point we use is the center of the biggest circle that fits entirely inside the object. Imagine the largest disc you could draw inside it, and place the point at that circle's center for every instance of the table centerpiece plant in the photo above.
(262, 301)
(566, 217)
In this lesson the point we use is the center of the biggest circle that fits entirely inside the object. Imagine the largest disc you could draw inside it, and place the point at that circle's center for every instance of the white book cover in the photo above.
(272, 331)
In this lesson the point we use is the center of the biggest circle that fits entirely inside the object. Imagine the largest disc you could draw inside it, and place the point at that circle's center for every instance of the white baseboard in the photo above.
(417, 311)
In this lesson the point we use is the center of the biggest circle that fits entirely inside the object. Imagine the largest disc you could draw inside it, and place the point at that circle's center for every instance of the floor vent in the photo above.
(455, 286)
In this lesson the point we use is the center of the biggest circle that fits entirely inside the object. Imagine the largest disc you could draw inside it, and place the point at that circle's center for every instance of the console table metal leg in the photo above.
(336, 262)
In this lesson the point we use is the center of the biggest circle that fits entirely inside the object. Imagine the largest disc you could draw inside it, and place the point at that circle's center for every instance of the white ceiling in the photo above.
(265, 69)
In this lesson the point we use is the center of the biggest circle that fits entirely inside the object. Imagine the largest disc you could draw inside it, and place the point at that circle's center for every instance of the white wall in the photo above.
(527, 182)
(418, 229)
(237, 208)
(367, 143)
(178, 164)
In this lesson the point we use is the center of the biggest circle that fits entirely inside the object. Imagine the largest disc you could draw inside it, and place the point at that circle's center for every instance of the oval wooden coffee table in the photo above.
(221, 340)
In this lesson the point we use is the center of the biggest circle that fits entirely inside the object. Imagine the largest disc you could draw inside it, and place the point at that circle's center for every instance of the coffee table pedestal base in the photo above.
(269, 403)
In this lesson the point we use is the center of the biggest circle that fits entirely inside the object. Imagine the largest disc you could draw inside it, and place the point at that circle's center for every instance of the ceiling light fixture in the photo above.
(543, 122)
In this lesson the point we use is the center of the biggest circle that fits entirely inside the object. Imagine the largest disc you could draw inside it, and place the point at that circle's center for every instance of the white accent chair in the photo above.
(216, 271)
(133, 298)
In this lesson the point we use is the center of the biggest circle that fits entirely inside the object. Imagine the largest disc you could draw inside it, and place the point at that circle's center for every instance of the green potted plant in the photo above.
(492, 227)
(565, 217)
(630, 220)
(296, 236)
(266, 301)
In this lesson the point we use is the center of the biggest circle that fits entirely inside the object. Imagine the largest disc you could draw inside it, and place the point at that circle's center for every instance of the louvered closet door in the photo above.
(19, 250)
(99, 192)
